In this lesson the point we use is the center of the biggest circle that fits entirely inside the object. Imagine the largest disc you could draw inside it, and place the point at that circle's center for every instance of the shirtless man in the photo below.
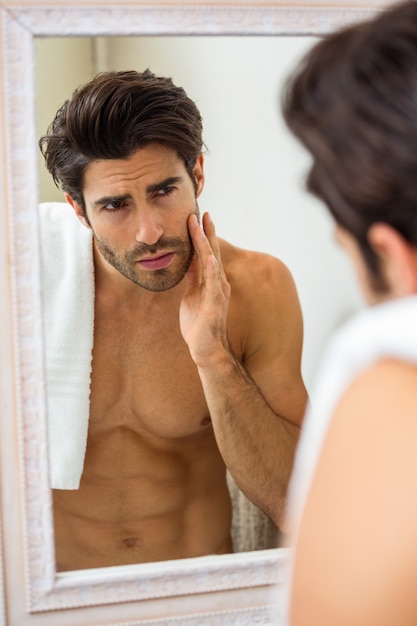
(197, 344)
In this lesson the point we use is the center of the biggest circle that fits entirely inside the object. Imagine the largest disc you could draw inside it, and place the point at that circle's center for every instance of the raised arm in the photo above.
(256, 400)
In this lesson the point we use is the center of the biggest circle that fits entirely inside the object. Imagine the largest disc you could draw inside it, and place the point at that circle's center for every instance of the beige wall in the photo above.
(61, 65)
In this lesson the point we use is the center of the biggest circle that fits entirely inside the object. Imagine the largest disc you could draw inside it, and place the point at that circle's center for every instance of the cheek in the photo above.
(113, 226)
(109, 237)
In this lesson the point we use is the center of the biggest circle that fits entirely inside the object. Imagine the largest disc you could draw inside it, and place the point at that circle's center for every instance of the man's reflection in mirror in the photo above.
(172, 356)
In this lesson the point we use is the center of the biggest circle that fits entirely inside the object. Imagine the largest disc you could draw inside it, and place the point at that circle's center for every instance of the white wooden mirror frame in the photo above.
(214, 590)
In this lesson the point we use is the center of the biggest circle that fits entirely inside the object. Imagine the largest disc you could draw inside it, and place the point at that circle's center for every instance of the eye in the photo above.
(164, 191)
(115, 205)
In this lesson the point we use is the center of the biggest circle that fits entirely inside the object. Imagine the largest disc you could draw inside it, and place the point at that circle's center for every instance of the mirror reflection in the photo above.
(139, 451)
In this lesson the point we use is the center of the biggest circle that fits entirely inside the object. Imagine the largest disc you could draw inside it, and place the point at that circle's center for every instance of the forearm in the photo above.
(257, 442)
(257, 445)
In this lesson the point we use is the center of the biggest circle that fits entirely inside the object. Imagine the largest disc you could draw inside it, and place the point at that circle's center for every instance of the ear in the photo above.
(398, 258)
(78, 210)
(198, 172)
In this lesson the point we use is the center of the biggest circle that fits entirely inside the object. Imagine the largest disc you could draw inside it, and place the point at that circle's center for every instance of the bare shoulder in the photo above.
(378, 409)
(265, 326)
(362, 507)
(259, 271)
(388, 383)
(265, 298)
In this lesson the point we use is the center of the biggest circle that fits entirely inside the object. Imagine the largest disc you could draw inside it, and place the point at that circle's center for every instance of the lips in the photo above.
(158, 262)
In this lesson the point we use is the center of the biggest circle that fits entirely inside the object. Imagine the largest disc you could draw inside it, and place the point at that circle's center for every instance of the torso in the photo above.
(154, 484)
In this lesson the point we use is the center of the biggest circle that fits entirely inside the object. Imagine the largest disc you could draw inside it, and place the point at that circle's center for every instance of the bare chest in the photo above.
(144, 379)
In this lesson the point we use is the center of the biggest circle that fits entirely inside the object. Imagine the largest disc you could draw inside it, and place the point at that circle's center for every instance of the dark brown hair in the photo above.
(114, 115)
(353, 103)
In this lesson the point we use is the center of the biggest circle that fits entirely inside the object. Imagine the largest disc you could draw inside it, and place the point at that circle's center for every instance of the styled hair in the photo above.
(111, 117)
(352, 102)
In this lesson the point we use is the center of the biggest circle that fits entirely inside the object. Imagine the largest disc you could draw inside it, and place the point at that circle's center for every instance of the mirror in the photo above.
(251, 157)
(233, 81)
(231, 589)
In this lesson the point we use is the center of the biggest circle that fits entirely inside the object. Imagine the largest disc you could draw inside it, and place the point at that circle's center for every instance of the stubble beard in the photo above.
(157, 280)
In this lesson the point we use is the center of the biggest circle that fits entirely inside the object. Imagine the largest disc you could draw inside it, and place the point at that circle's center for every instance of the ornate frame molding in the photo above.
(238, 585)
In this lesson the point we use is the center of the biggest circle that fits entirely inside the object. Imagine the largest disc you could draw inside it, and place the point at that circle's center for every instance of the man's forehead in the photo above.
(150, 151)
(152, 163)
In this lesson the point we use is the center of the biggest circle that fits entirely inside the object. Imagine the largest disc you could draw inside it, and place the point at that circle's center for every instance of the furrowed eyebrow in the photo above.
(173, 180)
(109, 199)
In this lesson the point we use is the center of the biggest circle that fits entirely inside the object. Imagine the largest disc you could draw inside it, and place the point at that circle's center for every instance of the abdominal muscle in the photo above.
(154, 484)
(141, 499)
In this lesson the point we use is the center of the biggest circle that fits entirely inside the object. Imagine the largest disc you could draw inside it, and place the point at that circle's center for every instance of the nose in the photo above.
(148, 228)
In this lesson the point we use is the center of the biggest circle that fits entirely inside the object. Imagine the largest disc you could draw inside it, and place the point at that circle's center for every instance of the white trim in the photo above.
(239, 585)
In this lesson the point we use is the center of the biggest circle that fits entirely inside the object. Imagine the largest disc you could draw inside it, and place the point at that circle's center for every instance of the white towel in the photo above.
(68, 309)
(386, 330)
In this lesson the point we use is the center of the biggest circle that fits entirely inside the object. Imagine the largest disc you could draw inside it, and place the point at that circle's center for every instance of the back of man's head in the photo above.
(353, 104)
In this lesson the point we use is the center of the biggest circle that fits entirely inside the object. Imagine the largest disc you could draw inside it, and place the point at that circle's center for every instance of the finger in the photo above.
(216, 284)
(201, 244)
(212, 273)
(208, 254)
(210, 231)
(194, 274)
